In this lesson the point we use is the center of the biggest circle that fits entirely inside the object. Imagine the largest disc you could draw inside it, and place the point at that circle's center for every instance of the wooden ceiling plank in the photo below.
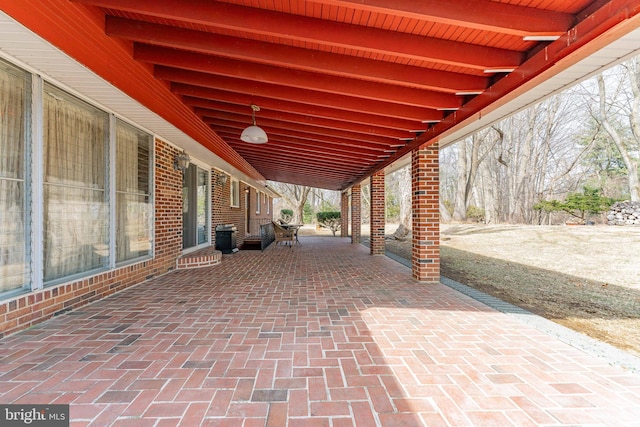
(480, 14)
(221, 100)
(304, 96)
(243, 111)
(325, 148)
(307, 157)
(307, 166)
(233, 129)
(324, 83)
(323, 32)
(292, 57)
(269, 125)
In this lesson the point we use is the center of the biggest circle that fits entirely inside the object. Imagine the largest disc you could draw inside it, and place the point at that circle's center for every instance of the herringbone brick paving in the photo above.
(323, 334)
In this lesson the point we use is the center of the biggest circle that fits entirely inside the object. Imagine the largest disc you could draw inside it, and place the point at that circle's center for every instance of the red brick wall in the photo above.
(168, 205)
(425, 260)
(224, 213)
(356, 217)
(377, 214)
(26, 310)
(344, 214)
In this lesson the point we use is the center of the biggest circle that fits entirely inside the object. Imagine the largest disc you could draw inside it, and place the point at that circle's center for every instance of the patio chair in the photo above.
(283, 235)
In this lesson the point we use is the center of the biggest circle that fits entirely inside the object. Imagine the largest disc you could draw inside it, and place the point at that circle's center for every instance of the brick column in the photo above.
(425, 180)
(377, 217)
(344, 214)
(356, 219)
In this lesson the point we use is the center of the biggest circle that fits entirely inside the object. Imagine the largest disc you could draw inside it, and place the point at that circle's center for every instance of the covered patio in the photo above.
(321, 335)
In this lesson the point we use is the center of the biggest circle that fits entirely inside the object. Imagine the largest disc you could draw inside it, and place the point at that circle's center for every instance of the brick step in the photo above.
(201, 258)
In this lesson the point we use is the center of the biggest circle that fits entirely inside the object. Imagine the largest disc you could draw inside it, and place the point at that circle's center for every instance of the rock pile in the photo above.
(624, 213)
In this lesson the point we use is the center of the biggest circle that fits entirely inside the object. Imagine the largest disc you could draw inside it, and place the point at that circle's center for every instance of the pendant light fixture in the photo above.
(254, 134)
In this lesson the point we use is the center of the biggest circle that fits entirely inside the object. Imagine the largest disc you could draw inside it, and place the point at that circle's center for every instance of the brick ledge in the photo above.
(201, 258)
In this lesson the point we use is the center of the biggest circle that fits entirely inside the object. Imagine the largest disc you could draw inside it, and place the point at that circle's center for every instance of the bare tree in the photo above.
(504, 170)
(294, 196)
(623, 106)
(472, 151)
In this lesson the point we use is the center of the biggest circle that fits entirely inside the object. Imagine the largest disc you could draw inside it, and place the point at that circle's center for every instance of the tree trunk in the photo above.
(630, 164)
(460, 205)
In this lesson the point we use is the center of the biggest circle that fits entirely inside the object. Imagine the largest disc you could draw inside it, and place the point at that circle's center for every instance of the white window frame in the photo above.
(34, 186)
(234, 197)
(258, 202)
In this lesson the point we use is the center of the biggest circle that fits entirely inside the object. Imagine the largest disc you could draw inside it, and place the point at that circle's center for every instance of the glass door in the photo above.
(195, 207)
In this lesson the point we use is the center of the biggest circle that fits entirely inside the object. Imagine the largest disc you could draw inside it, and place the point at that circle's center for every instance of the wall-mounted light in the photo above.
(221, 179)
(246, 190)
(181, 161)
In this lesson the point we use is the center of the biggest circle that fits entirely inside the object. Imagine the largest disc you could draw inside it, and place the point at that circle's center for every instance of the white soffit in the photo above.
(40, 57)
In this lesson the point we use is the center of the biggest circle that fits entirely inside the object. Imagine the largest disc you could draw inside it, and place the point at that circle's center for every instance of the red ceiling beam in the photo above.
(483, 15)
(295, 78)
(268, 125)
(275, 153)
(327, 33)
(217, 99)
(233, 129)
(340, 102)
(360, 116)
(317, 169)
(301, 146)
(293, 57)
(221, 109)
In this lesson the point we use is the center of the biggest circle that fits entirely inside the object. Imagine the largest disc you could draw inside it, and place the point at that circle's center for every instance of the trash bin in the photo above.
(226, 238)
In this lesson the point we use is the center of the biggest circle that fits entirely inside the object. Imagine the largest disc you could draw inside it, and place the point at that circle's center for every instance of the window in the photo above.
(15, 107)
(76, 210)
(134, 209)
(258, 202)
(267, 204)
(84, 205)
(235, 193)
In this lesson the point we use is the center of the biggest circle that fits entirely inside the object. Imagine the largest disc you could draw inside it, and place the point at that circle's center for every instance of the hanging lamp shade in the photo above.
(254, 134)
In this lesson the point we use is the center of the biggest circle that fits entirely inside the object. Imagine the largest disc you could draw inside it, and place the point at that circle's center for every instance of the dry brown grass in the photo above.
(586, 278)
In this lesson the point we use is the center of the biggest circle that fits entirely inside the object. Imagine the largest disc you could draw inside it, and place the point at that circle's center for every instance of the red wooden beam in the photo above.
(323, 32)
(293, 57)
(295, 78)
(234, 129)
(297, 158)
(483, 15)
(304, 96)
(305, 146)
(190, 92)
(269, 125)
(228, 101)
(222, 109)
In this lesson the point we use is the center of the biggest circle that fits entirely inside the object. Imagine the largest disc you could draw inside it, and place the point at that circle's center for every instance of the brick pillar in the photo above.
(344, 214)
(377, 216)
(356, 219)
(425, 180)
(168, 207)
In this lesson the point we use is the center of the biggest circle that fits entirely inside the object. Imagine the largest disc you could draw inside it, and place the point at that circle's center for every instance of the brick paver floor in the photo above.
(323, 334)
